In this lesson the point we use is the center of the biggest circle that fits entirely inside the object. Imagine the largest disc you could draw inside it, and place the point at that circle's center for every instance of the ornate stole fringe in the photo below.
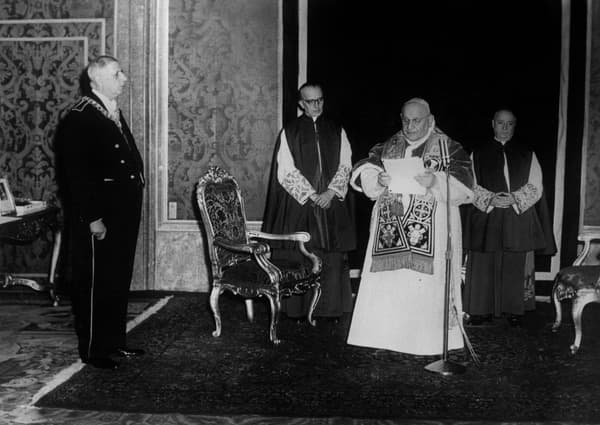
(404, 241)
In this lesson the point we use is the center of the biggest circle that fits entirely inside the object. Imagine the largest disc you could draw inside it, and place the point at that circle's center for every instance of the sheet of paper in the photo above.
(403, 172)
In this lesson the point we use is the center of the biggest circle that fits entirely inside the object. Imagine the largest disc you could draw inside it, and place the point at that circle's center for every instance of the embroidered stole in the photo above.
(405, 241)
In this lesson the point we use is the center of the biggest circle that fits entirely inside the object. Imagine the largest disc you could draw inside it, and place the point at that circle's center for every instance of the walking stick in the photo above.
(445, 366)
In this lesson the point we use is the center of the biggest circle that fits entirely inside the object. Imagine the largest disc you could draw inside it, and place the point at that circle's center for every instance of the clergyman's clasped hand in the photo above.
(503, 200)
(324, 199)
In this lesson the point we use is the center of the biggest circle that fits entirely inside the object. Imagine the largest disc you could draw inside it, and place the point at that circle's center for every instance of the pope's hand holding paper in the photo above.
(403, 172)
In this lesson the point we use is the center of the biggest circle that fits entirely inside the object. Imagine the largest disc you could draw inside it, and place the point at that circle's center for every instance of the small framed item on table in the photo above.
(27, 206)
(7, 201)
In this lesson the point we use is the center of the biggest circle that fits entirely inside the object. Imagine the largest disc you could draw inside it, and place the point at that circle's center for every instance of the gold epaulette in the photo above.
(80, 104)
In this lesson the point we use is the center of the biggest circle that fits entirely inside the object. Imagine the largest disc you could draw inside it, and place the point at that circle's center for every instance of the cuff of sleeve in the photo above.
(337, 191)
(517, 205)
(306, 197)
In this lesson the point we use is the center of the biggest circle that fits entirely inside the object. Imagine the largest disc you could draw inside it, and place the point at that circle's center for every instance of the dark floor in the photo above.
(37, 348)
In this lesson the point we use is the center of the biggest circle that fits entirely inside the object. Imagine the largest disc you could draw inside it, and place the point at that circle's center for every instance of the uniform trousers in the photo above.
(102, 272)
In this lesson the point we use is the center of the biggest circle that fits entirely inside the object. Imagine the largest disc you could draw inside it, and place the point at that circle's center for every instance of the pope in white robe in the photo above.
(400, 301)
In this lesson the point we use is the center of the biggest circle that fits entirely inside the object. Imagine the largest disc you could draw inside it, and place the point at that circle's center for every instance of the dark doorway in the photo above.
(466, 57)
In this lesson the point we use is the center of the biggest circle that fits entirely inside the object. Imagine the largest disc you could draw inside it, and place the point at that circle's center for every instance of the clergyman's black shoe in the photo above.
(515, 320)
(101, 363)
(329, 319)
(479, 319)
(130, 352)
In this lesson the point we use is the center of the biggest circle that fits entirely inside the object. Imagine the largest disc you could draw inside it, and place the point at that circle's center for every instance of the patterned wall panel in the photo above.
(44, 45)
(223, 87)
(93, 30)
(181, 259)
(39, 80)
(61, 9)
(591, 215)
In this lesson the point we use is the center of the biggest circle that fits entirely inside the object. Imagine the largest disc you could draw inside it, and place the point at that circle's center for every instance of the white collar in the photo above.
(503, 142)
(110, 105)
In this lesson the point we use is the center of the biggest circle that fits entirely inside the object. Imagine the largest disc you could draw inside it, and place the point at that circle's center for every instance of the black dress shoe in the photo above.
(101, 363)
(130, 352)
(479, 319)
(515, 320)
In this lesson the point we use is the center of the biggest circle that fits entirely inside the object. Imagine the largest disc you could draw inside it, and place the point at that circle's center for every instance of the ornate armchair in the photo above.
(581, 284)
(240, 259)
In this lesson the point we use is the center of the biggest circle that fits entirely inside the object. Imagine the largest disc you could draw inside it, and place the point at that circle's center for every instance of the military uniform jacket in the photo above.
(100, 158)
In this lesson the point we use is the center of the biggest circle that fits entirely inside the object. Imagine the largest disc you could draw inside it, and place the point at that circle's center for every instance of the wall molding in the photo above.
(99, 21)
(302, 42)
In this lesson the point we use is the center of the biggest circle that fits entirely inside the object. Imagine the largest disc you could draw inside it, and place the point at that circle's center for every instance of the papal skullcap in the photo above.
(418, 101)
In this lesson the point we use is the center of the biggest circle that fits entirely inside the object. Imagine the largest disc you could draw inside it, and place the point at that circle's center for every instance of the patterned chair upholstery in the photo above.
(581, 284)
(240, 259)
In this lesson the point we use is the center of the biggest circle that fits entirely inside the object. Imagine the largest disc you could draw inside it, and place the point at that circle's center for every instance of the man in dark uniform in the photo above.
(103, 179)
(308, 192)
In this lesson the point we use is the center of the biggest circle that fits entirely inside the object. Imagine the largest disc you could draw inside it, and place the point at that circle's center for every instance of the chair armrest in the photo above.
(258, 250)
(252, 247)
(300, 237)
(587, 239)
(296, 236)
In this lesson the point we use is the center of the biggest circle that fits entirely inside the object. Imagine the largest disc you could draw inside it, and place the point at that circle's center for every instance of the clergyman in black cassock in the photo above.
(506, 225)
(308, 192)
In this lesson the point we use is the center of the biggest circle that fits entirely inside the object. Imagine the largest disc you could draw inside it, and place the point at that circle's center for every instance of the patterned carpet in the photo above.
(527, 374)
(37, 343)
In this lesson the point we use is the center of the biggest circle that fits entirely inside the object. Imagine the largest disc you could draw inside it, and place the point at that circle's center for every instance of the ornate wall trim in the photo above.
(83, 40)
(302, 41)
(13, 28)
(115, 25)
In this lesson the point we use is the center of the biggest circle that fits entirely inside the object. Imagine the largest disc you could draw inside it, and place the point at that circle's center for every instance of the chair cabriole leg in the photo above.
(250, 309)
(579, 302)
(214, 305)
(313, 305)
(557, 307)
(274, 303)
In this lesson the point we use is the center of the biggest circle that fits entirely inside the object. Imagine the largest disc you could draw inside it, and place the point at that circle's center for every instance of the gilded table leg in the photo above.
(53, 263)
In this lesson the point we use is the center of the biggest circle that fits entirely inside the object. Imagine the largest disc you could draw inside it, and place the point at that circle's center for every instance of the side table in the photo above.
(26, 229)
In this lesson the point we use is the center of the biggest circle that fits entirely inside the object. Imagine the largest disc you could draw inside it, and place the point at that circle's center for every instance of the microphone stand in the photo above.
(444, 366)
